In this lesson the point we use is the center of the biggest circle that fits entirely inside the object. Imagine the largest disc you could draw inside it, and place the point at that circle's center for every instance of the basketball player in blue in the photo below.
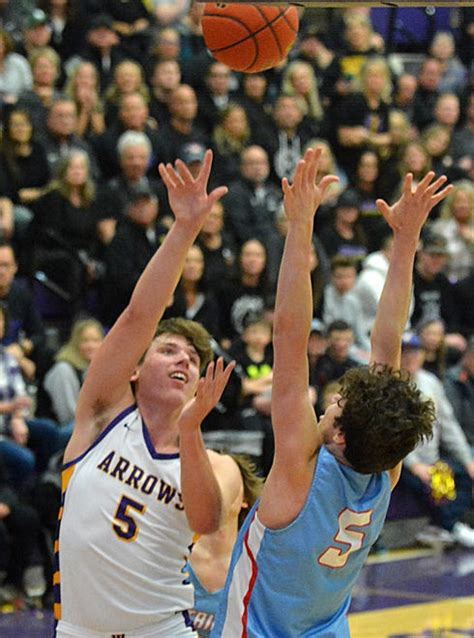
(137, 480)
(301, 549)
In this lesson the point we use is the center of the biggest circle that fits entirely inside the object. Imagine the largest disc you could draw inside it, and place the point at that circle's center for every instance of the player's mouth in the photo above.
(182, 377)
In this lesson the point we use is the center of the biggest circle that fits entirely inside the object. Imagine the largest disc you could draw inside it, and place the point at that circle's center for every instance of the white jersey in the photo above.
(123, 535)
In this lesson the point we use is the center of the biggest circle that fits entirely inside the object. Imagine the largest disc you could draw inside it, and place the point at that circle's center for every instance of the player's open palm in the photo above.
(409, 213)
(303, 197)
(188, 196)
(208, 394)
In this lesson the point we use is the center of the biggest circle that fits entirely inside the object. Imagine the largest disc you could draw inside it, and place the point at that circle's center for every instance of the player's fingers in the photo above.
(327, 181)
(408, 185)
(216, 194)
(285, 186)
(183, 172)
(166, 174)
(441, 195)
(436, 185)
(205, 171)
(425, 181)
(383, 207)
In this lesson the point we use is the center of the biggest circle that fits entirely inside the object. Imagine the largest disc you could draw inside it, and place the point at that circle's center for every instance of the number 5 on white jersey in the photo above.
(335, 557)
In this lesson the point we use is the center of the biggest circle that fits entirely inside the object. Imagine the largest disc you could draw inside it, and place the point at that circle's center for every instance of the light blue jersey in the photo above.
(205, 605)
(296, 582)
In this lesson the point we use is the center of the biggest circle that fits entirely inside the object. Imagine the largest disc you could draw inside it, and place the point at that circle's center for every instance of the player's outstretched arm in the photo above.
(293, 416)
(406, 218)
(107, 386)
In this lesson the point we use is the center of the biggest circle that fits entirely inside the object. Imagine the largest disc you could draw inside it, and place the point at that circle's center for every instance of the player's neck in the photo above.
(162, 425)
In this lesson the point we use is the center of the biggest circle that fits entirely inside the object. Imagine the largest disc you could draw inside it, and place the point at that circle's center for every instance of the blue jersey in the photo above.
(297, 581)
(205, 605)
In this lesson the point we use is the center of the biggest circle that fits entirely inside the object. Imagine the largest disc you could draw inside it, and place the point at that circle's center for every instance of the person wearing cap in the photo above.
(36, 33)
(102, 48)
(433, 292)
(446, 516)
(136, 239)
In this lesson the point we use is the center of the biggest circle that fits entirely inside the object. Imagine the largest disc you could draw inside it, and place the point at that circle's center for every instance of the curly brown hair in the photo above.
(384, 417)
(194, 332)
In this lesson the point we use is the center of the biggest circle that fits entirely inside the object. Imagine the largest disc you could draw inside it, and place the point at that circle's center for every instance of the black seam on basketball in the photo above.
(248, 37)
(284, 16)
(270, 25)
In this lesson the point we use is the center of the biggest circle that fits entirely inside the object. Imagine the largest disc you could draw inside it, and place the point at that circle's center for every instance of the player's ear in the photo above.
(135, 375)
(339, 437)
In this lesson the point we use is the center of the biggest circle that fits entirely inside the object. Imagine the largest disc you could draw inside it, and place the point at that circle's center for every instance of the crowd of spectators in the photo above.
(95, 94)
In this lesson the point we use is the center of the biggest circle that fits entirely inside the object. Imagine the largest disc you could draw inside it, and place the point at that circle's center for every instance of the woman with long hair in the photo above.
(128, 79)
(230, 136)
(83, 87)
(299, 79)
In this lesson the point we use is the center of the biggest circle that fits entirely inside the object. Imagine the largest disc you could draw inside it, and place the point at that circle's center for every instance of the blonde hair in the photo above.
(312, 102)
(49, 54)
(224, 142)
(113, 93)
(70, 351)
(59, 183)
(463, 185)
(377, 63)
(253, 484)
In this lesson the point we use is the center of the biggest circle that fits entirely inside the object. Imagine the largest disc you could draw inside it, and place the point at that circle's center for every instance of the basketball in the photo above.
(249, 38)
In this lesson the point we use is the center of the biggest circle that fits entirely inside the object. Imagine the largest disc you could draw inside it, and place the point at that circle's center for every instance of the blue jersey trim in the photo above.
(102, 435)
(151, 448)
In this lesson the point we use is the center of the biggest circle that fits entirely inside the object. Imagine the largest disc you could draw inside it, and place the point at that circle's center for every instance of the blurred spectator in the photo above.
(299, 80)
(459, 387)
(253, 97)
(466, 44)
(132, 116)
(253, 200)
(134, 153)
(344, 235)
(24, 172)
(15, 73)
(433, 292)
(414, 159)
(132, 20)
(404, 94)
(64, 379)
(341, 302)
(102, 48)
(436, 139)
(36, 33)
(462, 142)
(427, 92)
(64, 230)
(165, 47)
(20, 553)
(46, 68)
(317, 343)
(137, 238)
(245, 294)
(439, 353)
(182, 127)
(83, 87)
(25, 337)
(217, 247)
(67, 22)
(289, 137)
(447, 111)
(453, 72)
(230, 136)
(456, 225)
(362, 119)
(215, 96)
(13, 14)
(446, 515)
(170, 11)
(464, 299)
(192, 42)
(165, 78)
(327, 166)
(26, 443)
(128, 79)
(61, 138)
(336, 360)
(193, 298)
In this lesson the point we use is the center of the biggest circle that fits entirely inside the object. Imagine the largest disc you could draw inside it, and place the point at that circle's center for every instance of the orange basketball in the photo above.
(248, 37)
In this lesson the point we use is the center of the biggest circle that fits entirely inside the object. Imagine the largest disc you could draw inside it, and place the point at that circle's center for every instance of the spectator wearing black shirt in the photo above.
(429, 78)
(102, 48)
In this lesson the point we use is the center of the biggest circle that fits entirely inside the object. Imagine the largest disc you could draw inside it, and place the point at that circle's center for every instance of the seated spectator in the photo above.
(436, 138)
(459, 387)
(15, 72)
(341, 303)
(427, 92)
(36, 33)
(344, 236)
(244, 294)
(414, 159)
(230, 137)
(447, 111)
(404, 94)
(453, 72)
(165, 46)
(64, 236)
(46, 70)
(128, 79)
(83, 87)
(165, 77)
(464, 302)
(133, 22)
(327, 166)
(217, 247)
(67, 22)
(253, 199)
(193, 298)
(26, 443)
(462, 142)
(20, 552)
(64, 379)
(336, 360)
(253, 97)
(215, 96)
(456, 225)
(299, 79)
(446, 515)
(137, 238)
(439, 352)
(170, 12)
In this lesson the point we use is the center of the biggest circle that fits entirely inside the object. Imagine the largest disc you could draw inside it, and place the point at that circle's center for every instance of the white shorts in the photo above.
(174, 627)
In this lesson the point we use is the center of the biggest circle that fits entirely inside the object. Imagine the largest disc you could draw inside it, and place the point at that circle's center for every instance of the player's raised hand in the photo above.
(303, 197)
(188, 196)
(409, 213)
(208, 394)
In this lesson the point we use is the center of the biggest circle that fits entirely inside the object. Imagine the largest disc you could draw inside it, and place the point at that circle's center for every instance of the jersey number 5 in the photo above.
(334, 556)
(126, 527)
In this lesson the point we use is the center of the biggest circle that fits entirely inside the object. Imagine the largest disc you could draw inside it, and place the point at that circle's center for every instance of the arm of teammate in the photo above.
(406, 219)
(106, 390)
(293, 417)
